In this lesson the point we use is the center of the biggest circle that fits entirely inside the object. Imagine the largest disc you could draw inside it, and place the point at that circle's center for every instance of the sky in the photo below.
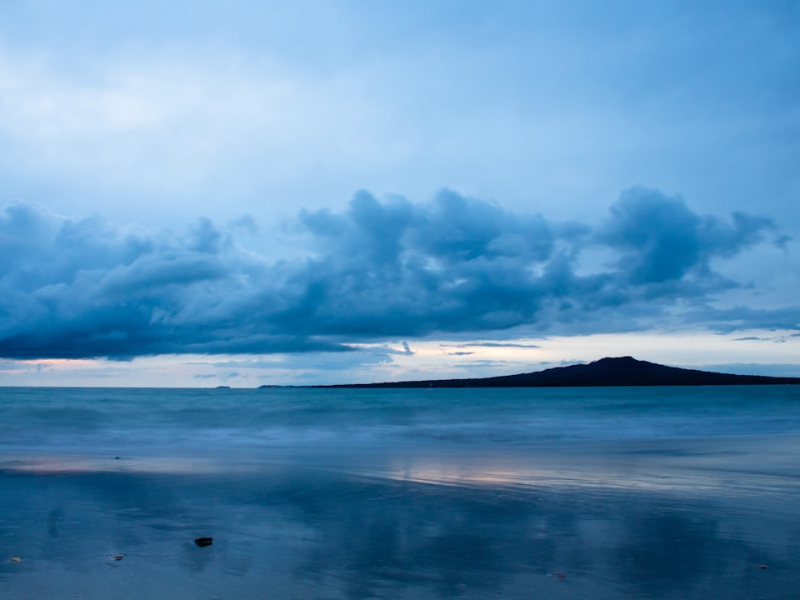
(254, 192)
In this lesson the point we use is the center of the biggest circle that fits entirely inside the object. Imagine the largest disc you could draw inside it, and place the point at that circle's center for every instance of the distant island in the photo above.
(621, 371)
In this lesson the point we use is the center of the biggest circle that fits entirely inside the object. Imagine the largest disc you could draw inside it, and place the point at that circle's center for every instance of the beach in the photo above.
(614, 493)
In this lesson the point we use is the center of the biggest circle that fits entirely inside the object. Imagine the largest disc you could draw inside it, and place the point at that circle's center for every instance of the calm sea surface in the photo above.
(506, 493)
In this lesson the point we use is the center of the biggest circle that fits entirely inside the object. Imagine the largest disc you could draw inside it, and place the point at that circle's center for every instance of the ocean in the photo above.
(684, 492)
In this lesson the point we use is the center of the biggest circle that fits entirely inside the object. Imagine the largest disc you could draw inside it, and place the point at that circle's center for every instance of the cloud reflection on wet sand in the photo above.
(423, 527)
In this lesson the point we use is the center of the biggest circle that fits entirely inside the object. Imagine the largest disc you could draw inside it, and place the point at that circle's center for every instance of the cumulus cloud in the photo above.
(661, 239)
(380, 270)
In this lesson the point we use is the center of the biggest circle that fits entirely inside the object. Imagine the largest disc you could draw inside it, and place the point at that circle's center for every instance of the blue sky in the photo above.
(196, 193)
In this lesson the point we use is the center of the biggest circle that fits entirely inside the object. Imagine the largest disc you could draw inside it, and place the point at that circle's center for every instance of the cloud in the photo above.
(741, 317)
(661, 239)
(492, 345)
(86, 288)
(16, 366)
(379, 271)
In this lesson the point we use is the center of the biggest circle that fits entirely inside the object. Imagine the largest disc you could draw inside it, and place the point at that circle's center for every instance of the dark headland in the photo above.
(622, 371)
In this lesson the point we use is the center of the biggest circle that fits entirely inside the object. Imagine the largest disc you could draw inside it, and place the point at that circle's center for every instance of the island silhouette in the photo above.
(618, 371)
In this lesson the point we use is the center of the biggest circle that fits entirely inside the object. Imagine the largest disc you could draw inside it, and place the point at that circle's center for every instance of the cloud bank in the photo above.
(380, 270)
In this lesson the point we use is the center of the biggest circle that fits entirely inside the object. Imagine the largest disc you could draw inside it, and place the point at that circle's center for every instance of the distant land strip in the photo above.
(621, 371)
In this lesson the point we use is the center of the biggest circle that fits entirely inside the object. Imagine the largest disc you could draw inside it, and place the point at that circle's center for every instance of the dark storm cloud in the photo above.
(83, 288)
(379, 270)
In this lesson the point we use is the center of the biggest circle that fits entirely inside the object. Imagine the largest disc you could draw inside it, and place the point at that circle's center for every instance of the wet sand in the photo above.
(668, 519)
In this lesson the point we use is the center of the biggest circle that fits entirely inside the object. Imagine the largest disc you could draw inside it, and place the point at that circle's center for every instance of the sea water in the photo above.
(430, 493)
